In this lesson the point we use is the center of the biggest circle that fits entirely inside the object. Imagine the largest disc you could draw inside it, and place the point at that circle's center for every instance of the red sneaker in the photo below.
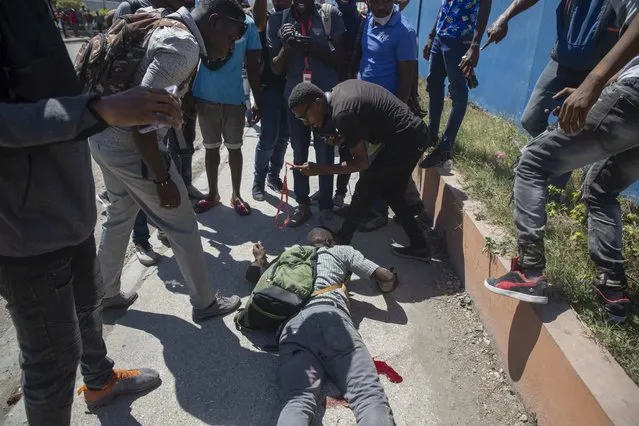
(515, 285)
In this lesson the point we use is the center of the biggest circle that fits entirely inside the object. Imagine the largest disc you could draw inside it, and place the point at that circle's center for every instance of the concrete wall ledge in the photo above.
(563, 376)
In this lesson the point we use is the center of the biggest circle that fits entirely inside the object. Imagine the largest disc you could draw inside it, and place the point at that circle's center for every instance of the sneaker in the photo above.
(123, 382)
(612, 296)
(372, 222)
(121, 301)
(436, 158)
(163, 238)
(275, 183)
(103, 198)
(300, 216)
(422, 254)
(327, 220)
(221, 306)
(338, 201)
(146, 255)
(315, 198)
(516, 285)
(258, 192)
(194, 193)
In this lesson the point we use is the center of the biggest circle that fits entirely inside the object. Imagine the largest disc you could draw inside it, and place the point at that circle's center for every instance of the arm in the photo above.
(278, 50)
(573, 112)
(363, 267)
(471, 58)
(260, 15)
(325, 54)
(402, 4)
(431, 37)
(253, 58)
(406, 55)
(254, 271)
(358, 163)
(123, 8)
(498, 30)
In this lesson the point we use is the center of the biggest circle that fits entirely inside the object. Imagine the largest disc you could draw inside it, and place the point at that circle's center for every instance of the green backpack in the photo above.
(282, 290)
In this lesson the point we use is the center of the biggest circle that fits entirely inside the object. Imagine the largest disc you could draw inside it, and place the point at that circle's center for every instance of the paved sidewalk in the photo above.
(212, 374)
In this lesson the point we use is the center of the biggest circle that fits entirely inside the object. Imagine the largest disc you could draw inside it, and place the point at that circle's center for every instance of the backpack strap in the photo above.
(326, 15)
(329, 288)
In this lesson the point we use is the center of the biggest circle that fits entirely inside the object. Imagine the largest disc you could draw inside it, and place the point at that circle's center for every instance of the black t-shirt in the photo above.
(363, 110)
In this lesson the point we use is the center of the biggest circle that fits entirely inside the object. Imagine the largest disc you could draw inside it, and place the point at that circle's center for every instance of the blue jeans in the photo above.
(534, 119)
(54, 302)
(141, 233)
(445, 57)
(325, 154)
(271, 148)
(609, 140)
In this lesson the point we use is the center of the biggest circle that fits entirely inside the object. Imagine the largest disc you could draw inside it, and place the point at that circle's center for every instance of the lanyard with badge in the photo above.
(307, 74)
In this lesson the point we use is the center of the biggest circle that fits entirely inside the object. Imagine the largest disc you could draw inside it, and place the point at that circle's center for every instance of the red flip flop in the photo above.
(205, 205)
(242, 208)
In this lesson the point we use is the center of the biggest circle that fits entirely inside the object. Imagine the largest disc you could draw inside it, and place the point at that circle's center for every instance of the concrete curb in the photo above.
(561, 374)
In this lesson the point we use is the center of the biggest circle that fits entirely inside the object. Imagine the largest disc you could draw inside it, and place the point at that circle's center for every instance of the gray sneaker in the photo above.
(121, 301)
(300, 216)
(221, 306)
(123, 382)
(327, 220)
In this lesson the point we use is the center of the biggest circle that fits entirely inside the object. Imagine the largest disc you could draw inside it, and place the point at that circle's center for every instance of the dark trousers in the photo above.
(271, 148)
(301, 142)
(387, 178)
(54, 303)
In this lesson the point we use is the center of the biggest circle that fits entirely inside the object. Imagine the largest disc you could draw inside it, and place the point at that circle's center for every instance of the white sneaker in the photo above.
(146, 255)
(328, 220)
(447, 165)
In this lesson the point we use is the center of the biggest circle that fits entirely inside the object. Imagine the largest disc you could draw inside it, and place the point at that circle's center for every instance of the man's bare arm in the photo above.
(498, 30)
(407, 73)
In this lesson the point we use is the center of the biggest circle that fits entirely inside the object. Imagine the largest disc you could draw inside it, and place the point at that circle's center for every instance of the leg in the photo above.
(350, 366)
(279, 152)
(604, 182)
(270, 124)
(458, 91)
(342, 180)
(611, 128)
(88, 291)
(121, 215)
(141, 233)
(413, 198)
(179, 223)
(366, 190)
(233, 133)
(40, 299)
(435, 86)
(188, 128)
(300, 141)
(325, 154)
(211, 120)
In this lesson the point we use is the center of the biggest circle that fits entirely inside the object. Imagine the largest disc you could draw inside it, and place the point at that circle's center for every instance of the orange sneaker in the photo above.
(122, 382)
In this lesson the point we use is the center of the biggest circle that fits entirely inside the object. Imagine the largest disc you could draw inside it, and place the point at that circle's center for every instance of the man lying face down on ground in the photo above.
(321, 340)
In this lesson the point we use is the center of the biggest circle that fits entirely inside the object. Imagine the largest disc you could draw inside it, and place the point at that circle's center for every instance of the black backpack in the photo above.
(34, 63)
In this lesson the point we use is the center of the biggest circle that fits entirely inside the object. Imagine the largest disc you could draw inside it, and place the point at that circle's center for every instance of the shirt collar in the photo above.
(395, 18)
(183, 15)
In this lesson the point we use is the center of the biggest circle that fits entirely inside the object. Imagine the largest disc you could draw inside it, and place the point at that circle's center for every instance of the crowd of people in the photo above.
(321, 74)
(80, 20)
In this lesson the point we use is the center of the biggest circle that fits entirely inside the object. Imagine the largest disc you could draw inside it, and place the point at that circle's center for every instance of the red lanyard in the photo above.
(306, 32)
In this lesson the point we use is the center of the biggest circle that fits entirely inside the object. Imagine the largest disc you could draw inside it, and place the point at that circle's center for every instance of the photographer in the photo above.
(308, 48)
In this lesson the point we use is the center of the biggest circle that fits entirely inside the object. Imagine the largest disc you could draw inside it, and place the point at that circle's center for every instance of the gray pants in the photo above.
(610, 140)
(322, 341)
(129, 192)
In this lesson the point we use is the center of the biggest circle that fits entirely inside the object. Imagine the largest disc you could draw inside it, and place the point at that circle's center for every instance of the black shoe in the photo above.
(300, 216)
(275, 183)
(611, 293)
(372, 222)
(435, 159)
(258, 192)
(163, 238)
(422, 254)
(516, 285)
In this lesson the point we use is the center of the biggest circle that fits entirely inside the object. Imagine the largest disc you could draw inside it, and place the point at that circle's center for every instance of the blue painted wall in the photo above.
(507, 72)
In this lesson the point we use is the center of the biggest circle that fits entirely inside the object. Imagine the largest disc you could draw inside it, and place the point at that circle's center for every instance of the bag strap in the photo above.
(329, 288)
(327, 17)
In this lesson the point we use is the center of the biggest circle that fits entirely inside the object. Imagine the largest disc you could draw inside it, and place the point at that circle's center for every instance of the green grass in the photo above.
(489, 179)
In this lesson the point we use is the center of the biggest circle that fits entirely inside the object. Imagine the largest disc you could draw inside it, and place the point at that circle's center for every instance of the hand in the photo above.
(469, 60)
(573, 112)
(140, 106)
(259, 252)
(256, 114)
(287, 31)
(307, 169)
(427, 48)
(169, 195)
(497, 31)
(333, 139)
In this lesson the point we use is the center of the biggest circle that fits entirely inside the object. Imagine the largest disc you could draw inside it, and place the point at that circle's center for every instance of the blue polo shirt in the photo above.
(225, 85)
(385, 45)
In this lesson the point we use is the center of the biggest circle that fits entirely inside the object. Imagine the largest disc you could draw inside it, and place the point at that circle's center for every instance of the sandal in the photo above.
(241, 207)
(206, 205)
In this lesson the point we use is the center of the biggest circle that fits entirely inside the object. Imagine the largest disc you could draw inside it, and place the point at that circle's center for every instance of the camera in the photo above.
(299, 39)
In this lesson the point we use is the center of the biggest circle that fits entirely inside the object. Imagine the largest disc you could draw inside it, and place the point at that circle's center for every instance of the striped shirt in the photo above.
(334, 265)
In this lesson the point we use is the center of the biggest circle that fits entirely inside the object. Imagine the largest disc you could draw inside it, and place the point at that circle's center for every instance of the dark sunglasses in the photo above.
(242, 23)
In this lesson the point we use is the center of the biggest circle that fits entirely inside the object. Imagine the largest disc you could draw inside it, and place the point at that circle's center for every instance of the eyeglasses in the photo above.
(243, 25)
(302, 116)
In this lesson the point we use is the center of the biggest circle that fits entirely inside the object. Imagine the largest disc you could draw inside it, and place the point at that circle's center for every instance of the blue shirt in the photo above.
(457, 18)
(383, 46)
(225, 85)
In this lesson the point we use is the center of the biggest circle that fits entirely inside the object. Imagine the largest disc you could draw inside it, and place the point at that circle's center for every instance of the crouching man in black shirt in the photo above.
(386, 140)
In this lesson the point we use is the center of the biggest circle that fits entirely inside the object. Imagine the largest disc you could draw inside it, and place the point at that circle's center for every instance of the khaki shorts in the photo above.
(221, 122)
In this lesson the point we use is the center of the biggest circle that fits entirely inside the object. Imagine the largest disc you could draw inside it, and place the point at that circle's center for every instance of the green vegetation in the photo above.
(75, 4)
(486, 151)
